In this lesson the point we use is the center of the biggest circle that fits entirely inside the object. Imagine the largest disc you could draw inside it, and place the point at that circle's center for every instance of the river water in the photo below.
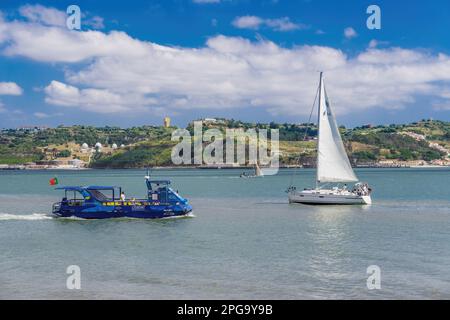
(244, 242)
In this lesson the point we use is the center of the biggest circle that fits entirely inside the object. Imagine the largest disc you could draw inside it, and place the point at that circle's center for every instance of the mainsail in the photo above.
(333, 164)
(258, 171)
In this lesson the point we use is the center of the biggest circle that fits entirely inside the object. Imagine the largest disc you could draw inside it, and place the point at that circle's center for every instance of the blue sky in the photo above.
(135, 62)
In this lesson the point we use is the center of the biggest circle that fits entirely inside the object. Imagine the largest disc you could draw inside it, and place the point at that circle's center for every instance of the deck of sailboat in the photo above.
(324, 196)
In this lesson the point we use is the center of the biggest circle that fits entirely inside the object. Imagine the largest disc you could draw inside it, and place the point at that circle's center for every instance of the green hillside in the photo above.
(151, 146)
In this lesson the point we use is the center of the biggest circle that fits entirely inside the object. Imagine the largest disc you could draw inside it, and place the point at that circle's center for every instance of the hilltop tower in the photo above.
(166, 122)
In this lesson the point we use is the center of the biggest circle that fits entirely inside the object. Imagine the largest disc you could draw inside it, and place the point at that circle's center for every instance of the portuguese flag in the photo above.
(53, 181)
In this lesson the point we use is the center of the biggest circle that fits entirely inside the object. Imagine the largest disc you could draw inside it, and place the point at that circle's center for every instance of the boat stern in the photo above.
(56, 209)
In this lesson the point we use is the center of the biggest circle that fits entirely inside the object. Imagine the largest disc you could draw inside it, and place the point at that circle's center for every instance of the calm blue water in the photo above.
(245, 241)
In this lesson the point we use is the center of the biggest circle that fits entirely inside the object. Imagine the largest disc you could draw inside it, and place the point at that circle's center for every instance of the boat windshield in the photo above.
(77, 195)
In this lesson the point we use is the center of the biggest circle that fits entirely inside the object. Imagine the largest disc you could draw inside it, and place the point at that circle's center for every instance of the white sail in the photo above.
(258, 171)
(333, 164)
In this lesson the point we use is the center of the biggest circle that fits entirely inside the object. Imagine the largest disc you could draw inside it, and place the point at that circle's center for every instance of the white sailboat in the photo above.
(333, 165)
(258, 173)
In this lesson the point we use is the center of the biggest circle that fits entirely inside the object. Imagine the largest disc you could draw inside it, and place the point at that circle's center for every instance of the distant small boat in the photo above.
(258, 173)
(91, 202)
(333, 165)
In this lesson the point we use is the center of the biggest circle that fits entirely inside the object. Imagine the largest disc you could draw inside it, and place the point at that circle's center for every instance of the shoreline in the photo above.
(23, 168)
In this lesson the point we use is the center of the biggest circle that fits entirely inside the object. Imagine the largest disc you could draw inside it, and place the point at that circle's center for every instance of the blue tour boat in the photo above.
(102, 202)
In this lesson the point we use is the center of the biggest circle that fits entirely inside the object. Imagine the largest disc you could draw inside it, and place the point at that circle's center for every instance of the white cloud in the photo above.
(441, 105)
(376, 43)
(10, 88)
(61, 45)
(391, 56)
(93, 100)
(43, 115)
(126, 75)
(95, 22)
(44, 15)
(350, 33)
(283, 24)
(248, 22)
(373, 43)
(48, 16)
(254, 22)
(3, 29)
(4, 110)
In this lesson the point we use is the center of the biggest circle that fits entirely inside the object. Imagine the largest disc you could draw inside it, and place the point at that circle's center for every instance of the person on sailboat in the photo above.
(365, 189)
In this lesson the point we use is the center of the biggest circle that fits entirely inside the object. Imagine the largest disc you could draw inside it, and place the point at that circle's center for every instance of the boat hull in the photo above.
(130, 211)
(328, 197)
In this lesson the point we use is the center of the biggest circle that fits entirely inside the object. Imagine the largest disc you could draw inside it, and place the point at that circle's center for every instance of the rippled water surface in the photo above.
(245, 240)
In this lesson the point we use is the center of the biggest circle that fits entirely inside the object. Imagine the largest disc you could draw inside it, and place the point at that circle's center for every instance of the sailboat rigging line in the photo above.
(306, 132)
(310, 115)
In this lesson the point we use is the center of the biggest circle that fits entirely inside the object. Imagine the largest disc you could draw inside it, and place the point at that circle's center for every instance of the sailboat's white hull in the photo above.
(328, 197)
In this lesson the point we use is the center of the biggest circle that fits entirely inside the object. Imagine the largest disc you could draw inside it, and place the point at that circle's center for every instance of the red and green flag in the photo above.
(53, 181)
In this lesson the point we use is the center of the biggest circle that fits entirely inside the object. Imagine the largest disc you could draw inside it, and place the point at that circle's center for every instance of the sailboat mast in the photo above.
(318, 128)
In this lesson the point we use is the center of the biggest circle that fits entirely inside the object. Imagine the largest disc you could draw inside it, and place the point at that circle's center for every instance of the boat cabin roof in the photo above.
(78, 188)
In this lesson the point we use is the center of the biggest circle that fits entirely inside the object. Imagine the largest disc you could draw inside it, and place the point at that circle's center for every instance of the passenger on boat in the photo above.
(122, 196)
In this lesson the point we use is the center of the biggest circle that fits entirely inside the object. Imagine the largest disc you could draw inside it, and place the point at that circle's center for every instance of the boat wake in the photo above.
(29, 217)
(189, 215)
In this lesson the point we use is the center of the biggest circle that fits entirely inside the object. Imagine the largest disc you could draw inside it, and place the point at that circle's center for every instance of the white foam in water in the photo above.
(30, 217)
(189, 215)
